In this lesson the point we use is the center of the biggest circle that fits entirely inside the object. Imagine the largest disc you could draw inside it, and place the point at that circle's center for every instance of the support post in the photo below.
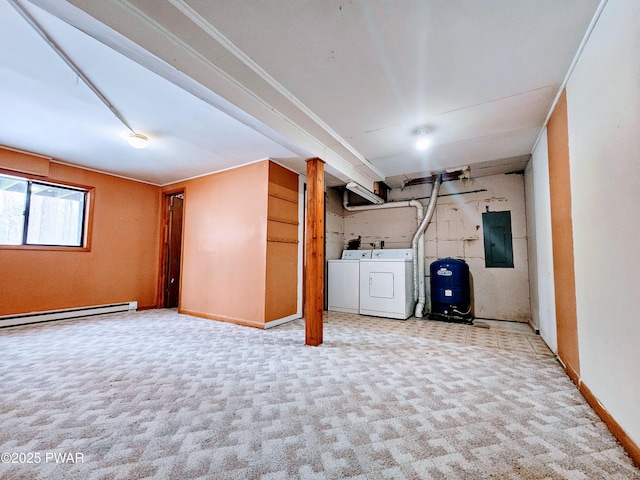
(314, 252)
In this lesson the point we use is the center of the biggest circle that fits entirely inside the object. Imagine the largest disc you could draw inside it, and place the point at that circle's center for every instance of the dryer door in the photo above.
(383, 288)
(381, 284)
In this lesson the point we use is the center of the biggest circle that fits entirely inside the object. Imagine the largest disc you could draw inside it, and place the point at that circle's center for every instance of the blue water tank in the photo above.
(450, 290)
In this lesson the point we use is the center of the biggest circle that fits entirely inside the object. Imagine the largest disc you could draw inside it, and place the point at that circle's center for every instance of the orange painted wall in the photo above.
(562, 238)
(224, 247)
(18, 161)
(121, 266)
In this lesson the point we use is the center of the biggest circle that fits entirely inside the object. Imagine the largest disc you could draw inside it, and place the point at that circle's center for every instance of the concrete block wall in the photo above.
(456, 231)
(394, 226)
(334, 225)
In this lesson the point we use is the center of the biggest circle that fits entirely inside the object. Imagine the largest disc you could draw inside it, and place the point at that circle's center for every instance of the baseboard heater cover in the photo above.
(50, 315)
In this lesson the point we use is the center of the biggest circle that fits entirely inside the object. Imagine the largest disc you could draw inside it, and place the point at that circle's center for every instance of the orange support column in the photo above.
(314, 252)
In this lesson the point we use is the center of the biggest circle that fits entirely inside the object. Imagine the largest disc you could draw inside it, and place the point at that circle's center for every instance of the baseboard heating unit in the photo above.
(50, 315)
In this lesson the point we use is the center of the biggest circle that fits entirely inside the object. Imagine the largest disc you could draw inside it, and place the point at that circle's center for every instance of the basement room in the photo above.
(319, 240)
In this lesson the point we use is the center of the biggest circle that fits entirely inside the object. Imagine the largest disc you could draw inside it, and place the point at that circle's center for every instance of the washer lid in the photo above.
(355, 254)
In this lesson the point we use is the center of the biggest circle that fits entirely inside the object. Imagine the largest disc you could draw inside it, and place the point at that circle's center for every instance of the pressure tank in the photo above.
(450, 290)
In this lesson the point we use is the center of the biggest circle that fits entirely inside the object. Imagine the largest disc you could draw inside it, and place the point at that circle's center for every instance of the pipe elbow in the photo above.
(419, 208)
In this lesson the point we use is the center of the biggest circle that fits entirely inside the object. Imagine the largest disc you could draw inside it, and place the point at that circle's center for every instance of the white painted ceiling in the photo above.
(221, 83)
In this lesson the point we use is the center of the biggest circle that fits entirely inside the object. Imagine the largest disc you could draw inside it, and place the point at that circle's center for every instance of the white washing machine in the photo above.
(386, 284)
(343, 281)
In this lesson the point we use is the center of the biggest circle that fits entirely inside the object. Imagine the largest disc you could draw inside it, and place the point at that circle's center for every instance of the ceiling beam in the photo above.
(160, 37)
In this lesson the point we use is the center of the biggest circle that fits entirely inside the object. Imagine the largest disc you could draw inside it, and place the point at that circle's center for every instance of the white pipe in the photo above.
(418, 253)
(418, 237)
(356, 208)
(418, 269)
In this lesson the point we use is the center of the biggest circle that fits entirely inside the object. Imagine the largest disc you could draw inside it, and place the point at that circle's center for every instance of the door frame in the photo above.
(164, 244)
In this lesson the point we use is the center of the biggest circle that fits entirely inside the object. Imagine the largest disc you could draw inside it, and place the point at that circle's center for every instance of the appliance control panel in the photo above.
(355, 254)
(393, 254)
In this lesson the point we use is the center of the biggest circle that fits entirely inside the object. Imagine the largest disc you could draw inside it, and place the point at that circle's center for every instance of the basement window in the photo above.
(41, 214)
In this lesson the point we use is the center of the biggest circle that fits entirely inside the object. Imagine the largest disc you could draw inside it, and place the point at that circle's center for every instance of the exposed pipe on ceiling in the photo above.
(20, 8)
(356, 208)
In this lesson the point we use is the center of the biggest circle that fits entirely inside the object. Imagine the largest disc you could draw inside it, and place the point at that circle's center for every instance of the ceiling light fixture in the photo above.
(364, 193)
(424, 141)
(137, 140)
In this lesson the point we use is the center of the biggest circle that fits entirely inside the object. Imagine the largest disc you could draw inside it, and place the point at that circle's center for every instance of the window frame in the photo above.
(87, 224)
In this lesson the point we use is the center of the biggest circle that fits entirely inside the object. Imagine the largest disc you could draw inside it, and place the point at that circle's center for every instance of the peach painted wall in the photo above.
(122, 265)
(240, 245)
(224, 247)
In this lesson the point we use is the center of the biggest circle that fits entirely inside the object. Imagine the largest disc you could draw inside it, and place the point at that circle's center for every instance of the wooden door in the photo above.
(174, 251)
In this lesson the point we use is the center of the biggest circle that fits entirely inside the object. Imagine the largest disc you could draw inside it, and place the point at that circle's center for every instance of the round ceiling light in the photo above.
(137, 140)
(424, 141)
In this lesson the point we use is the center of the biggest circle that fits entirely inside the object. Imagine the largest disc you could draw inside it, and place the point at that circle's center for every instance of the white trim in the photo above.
(172, 182)
(49, 315)
(104, 173)
(275, 323)
(216, 171)
(25, 152)
(576, 57)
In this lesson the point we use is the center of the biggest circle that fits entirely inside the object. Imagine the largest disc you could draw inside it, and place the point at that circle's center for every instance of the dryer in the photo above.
(343, 281)
(386, 284)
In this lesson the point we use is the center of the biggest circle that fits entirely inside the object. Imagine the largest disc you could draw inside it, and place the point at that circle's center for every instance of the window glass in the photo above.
(13, 196)
(36, 213)
(55, 216)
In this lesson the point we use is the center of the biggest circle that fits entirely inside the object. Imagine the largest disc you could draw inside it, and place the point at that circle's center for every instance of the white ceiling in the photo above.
(216, 84)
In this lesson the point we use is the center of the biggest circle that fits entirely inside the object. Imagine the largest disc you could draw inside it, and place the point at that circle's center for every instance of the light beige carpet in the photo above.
(160, 395)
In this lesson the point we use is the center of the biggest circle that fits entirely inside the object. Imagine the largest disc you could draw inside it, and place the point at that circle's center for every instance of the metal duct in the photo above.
(418, 248)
